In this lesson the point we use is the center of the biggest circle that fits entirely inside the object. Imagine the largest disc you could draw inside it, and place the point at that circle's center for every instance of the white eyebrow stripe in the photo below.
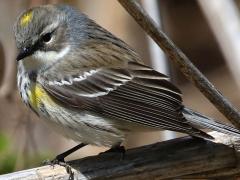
(50, 28)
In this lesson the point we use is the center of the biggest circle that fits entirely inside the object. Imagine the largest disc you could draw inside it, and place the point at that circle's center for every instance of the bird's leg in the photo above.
(61, 157)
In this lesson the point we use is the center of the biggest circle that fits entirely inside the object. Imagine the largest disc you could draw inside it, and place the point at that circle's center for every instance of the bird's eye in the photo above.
(47, 37)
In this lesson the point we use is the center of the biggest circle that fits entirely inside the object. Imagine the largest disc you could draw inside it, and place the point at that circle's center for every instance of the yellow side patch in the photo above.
(26, 18)
(38, 95)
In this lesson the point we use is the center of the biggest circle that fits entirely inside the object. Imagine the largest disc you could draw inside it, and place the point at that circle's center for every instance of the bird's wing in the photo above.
(135, 94)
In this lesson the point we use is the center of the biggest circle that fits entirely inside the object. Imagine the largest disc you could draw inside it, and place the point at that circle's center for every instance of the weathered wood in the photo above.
(181, 157)
(185, 65)
(44, 172)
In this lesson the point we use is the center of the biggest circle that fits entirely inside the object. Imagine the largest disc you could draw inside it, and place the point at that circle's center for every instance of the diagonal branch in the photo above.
(185, 65)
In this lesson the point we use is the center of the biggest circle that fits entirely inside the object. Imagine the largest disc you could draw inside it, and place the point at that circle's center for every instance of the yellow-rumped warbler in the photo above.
(92, 87)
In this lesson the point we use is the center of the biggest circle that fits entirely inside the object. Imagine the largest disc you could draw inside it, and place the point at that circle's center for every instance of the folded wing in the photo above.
(135, 94)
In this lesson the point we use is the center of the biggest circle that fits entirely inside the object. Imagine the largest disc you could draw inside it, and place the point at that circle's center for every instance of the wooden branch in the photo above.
(187, 68)
(181, 157)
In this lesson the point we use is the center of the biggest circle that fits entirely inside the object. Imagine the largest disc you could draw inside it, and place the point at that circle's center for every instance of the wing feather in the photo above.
(136, 94)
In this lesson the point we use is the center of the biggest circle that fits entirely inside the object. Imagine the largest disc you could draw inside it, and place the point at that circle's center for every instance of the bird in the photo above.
(93, 88)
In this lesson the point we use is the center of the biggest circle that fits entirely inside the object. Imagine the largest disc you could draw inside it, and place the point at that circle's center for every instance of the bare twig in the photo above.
(193, 158)
(187, 68)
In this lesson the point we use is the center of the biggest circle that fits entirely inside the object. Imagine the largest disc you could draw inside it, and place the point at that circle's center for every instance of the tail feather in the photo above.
(198, 120)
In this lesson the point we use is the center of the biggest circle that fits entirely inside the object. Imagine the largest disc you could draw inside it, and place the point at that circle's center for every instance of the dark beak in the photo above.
(24, 53)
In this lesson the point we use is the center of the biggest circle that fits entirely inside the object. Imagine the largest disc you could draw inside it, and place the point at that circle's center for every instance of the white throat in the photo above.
(43, 59)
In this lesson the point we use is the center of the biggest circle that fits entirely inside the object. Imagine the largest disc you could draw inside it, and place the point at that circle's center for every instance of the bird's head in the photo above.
(46, 34)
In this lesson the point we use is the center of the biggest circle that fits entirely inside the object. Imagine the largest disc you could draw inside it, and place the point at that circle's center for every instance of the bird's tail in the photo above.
(198, 120)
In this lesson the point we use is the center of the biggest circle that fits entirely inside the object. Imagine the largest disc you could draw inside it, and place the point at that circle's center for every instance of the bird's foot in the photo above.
(59, 160)
(116, 149)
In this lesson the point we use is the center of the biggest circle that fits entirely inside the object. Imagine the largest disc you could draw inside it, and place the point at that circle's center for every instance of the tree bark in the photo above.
(182, 157)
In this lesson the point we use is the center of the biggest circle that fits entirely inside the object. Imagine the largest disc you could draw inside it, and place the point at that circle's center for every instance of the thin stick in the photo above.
(185, 65)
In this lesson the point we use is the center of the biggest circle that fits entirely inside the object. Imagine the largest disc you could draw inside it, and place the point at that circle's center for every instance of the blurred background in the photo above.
(208, 32)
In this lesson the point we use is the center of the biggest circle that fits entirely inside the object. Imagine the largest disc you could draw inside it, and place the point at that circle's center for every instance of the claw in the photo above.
(60, 161)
